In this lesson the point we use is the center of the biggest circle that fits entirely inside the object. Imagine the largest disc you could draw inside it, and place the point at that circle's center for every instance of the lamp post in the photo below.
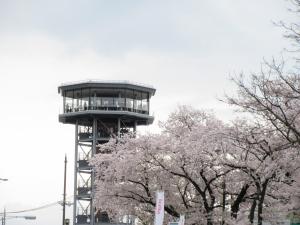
(4, 212)
(4, 217)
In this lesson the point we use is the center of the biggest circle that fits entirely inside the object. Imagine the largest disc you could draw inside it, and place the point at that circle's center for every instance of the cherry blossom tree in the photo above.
(269, 144)
(272, 98)
(211, 172)
(183, 161)
(126, 177)
(268, 163)
(292, 29)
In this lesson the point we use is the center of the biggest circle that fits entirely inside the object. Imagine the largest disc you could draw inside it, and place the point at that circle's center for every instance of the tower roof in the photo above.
(106, 84)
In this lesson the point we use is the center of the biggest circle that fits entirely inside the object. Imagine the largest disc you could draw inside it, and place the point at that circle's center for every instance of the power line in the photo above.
(35, 209)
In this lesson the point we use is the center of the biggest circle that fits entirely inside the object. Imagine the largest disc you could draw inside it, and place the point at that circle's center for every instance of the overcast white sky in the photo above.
(185, 49)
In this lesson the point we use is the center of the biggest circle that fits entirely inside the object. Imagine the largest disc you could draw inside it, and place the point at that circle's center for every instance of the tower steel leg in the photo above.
(92, 172)
(75, 174)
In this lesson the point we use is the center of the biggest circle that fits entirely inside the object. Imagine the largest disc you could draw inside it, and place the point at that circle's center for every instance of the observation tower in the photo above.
(99, 110)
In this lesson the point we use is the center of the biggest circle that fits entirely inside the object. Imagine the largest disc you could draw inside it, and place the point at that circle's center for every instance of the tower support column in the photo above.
(75, 174)
(94, 129)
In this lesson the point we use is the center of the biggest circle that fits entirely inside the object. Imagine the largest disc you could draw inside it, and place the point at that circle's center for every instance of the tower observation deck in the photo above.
(99, 110)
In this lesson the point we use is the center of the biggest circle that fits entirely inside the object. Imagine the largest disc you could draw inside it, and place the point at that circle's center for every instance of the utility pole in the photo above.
(64, 197)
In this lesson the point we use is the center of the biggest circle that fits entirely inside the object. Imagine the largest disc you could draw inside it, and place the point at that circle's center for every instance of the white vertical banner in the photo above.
(159, 208)
(181, 220)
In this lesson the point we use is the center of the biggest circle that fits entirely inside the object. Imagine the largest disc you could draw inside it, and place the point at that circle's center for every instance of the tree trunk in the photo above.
(252, 211)
(240, 198)
(259, 212)
(261, 203)
(209, 218)
(209, 221)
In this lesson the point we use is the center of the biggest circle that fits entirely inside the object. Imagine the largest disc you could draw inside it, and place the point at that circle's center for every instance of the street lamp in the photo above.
(17, 217)
(5, 217)
(23, 217)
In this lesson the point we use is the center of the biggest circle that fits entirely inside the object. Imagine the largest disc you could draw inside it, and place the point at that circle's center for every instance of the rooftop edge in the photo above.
(106, 82)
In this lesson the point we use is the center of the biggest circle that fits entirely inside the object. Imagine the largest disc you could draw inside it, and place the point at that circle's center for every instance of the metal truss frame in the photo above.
(87, 137)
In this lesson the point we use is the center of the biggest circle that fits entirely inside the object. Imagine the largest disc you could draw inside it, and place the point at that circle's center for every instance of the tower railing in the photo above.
(107, 103)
